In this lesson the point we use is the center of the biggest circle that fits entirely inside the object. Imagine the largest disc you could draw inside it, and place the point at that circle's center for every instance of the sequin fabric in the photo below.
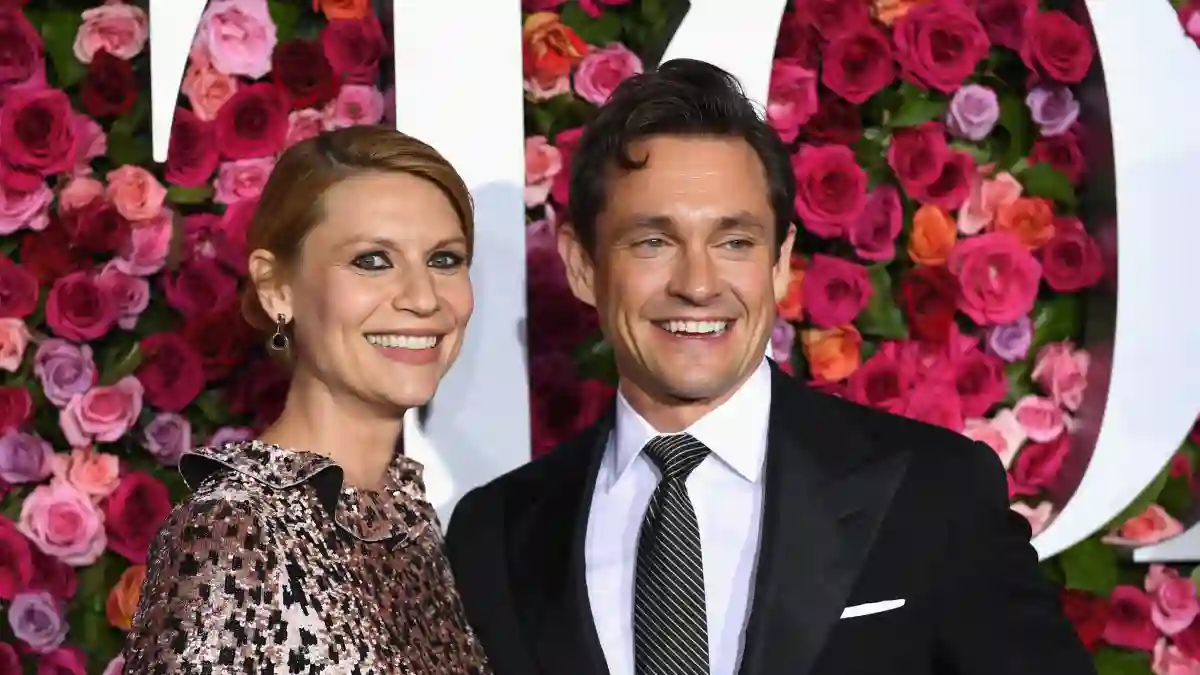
(273, 567)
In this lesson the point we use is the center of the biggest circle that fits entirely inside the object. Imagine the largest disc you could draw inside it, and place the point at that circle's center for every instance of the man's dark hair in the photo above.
(683, 97)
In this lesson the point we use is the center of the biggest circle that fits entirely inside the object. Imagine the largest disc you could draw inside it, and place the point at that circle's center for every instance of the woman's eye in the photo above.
(372, 261)
(446, 260)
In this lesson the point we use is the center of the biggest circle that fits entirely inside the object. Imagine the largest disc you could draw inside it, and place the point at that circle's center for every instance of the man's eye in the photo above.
(446, 260)
(372, 261)
(739, 243)
(653, 242)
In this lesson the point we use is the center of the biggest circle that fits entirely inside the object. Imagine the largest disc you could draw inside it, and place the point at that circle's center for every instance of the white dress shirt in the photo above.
(726, 490)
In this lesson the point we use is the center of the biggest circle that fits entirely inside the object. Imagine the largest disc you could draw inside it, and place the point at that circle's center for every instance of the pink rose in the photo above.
(29, 210)
(242, 179)
(149, 244)
(355, 104)
(542, 163)
(1062, 371)
(792, 100)
(239, 36)
(1169, 660)
(14, 338)
(130, 294)
(834, 290)
(1148, 527)
(303, 125)
(1041, 418)
(1038, 465)
(115, 27)
(135, 192)
(1038, 516)
(103, 413)
(92, 142)
(78, 193)
(1175, 603)
(1002, 433)
(997, 277)
(207, 90)
(1128, 622)
(987, 197)
(93, 473)
(602, 70)
(63, 523)
(936, 403)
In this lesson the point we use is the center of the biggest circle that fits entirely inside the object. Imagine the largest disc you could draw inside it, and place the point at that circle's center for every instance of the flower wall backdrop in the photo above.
(944, 280)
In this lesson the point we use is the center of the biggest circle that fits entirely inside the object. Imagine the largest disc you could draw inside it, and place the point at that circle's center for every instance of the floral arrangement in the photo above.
(1188, 12)
(943, 259)
(121, 342)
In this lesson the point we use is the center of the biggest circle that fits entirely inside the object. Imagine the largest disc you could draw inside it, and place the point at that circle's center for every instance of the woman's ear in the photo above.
(274, 294)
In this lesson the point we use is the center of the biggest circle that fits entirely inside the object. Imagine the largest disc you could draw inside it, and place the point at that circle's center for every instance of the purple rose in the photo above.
(167, 436)
(65, 369)
(24, 458)
(1011, 341)
(783, 336)
(973, 113)
(230, 435)
(1053, 108)
(35, 620)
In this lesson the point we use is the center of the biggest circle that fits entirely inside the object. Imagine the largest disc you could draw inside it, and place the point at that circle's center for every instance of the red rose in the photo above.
(831, 188)
(917, 155)
(221, 339)
(198, 286)
(300, 69)
(883, 382)
(355, 48)
(110, 88)
(929, 299)
(192, 156)
(952, 187)
(834, 18)
(1057, 47)
(1038, 466)
(97, 228)
(252, 123)
(938, 44)
(48, 254)
(936, 403)
(53, 576)
(858, 64)
(1129, 624)
(23, 59)
(551, 303)
(1004, 20)
(79, 309)
(16, 405)
(133, 514)
(980, 380)
(1188, 641)
(16, 560)
(260, 390)
(565, 141)
(1071, 260)
(40, 140)
(18, 290)
(837, 122)
(798, 40)
(170, 371)
(562, 405)
(1061, 152)
(1088, 613)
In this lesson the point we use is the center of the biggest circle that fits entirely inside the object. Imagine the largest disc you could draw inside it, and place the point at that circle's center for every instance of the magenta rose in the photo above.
(565, 141)
(40, 137)
(792, 100)
(16, 407)
(939, 44)
(253, 123)
(997, 277)
(104, 413)
(133, 514)
(64, 523)
(53, 576)
(23, 62)
(858, 64)
(130, 294)
(170, 371)
(884, 381)
(198, 286)
(951, 189)
(1004, 20)
(1057, 47)
(192, 155)
(799, 40)
(935, 402)
(918, 155)
(63, 661)
(1071, 260)
(16, 561)
(1062, 152)
(980, 380)
(18, 290)
(79, 308)
(834, 18)
(1038, 464)
(601, 70)
(1129, 624)
(355, 48)
(831, 188)
(873, 233)
(10, 662)
(834, 290)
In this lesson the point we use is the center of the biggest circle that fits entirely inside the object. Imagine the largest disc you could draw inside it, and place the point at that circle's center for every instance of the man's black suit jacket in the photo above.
(860, 506)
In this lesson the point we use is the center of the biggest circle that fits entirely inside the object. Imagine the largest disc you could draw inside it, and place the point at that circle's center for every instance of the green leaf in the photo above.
(1053, 571)
(210, 405)
(917, 107)
(1056, 319)
(132, 121)
(177, 194)
(979, 153)
(1195, 576)
(881, 317)
(129, 148)
(1020, 384)
(1149, 495)
(1176, 496)
(594, 360)
(1018, 131)
(1090, 566)
(1110, 661)
(285, 15)
(58, 29)
(1043, 180)
(121, 364)
(599, 31)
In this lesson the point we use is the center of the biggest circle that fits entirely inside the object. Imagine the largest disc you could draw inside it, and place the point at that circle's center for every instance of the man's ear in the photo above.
(274, 294)
(782, 274)
(581, 273)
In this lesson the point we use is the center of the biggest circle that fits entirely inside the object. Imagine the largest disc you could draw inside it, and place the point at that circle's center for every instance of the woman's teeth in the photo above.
(404, 341)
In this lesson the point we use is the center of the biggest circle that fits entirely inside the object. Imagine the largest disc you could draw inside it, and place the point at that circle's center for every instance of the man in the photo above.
(722, 517)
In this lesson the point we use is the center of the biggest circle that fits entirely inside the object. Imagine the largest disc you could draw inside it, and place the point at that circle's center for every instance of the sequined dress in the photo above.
(273, 566)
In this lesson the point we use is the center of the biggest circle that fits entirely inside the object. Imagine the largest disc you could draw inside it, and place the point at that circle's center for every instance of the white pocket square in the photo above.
(871, 608)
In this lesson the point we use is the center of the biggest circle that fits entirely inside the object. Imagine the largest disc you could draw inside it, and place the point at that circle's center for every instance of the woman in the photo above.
(313, 548)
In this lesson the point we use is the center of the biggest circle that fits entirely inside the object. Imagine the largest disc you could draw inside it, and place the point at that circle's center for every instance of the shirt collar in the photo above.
(735, 431)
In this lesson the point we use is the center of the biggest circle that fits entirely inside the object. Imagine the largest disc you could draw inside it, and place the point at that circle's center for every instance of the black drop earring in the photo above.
(279, 340)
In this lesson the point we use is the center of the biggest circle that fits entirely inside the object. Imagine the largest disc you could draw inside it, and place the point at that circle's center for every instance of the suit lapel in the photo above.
(826, 493)
(549, 580)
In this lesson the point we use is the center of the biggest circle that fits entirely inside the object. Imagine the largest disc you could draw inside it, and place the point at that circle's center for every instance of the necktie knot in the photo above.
(676, 455)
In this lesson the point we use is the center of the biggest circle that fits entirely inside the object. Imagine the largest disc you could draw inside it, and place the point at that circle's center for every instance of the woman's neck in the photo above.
(362, 440)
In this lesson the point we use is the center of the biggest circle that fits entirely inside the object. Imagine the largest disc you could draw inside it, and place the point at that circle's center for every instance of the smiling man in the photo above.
(722, 517)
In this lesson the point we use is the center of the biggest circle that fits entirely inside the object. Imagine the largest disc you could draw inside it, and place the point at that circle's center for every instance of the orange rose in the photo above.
(124, 596)
(791, 308)
(551, 49)
(933, 235)
(887, 11)
(833, 354)
(342, 9)
(1030, 218)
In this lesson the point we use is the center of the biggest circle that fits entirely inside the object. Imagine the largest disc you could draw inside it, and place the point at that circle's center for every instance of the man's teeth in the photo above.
(696, 327)
(404, 341)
